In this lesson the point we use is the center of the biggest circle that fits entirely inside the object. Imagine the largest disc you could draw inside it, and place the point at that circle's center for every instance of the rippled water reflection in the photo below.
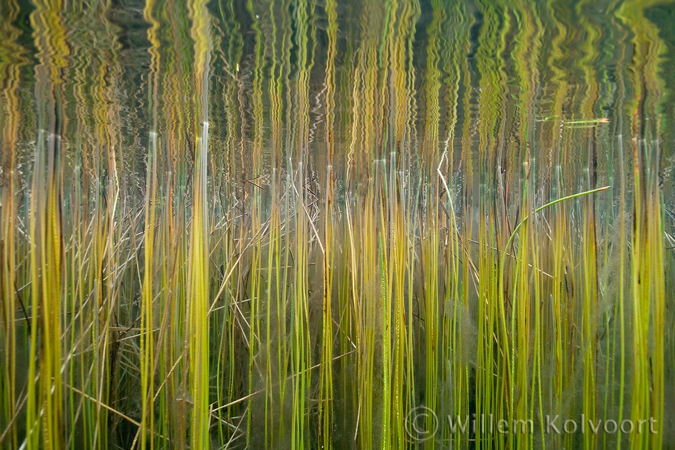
(327, 189)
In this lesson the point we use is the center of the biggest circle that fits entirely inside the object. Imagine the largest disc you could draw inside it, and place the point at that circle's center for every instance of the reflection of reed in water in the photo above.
(290, 224)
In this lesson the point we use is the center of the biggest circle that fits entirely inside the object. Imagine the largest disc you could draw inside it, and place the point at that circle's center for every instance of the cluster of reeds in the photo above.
(293, 240)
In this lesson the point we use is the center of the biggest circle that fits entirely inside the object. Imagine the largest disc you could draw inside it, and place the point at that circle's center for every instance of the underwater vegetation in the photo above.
(337, 224)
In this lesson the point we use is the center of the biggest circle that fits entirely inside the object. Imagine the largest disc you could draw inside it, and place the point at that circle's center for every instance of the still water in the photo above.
(327, 223)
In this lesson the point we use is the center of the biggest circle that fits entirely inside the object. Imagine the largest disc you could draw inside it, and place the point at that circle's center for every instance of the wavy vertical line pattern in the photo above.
(337, 224)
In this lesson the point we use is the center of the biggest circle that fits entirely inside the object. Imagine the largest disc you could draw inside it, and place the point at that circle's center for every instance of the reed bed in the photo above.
(304, 225)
